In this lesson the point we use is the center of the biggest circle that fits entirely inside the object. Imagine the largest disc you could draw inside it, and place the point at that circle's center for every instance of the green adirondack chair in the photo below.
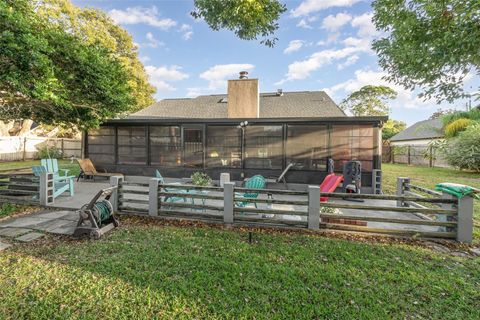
(255, 182)
(167, 198)
(52, 167)
(60, 184)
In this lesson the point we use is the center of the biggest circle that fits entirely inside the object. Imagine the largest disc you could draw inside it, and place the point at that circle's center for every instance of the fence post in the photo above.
(313, 207)
(46, 189)
(63, 148)
(24, 156)
(115, 181)
(408, 155)
(401, 181)
(228, 202)
(153, 196)
(465, 219)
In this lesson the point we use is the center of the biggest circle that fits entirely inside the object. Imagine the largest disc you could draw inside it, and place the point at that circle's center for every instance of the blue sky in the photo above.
(323, 45)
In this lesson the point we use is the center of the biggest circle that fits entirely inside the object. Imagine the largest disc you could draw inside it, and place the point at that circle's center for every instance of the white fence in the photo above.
(26, 148)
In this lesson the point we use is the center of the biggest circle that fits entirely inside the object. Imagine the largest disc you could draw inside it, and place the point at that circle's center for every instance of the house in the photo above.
(420, 133)
(243, 132)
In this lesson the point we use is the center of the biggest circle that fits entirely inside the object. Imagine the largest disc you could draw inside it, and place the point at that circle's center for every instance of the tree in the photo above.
(248, 19)
(432, 45)
(441, 112)
(94, 26)
(391, 128)
(369, 101)
(52, 76)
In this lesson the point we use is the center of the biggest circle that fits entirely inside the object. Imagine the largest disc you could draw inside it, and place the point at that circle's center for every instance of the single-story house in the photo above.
(420, 133)
(243, 132)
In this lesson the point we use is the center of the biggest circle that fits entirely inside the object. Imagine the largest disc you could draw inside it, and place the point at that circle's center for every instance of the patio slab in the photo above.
(4, 246)
(84, 192)
(13, 232)
(30, 237)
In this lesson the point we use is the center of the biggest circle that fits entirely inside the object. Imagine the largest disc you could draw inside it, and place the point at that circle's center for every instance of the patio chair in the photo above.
(61, 184)
(167, 198)
(51, 164)
(87, 169)
(255, 182)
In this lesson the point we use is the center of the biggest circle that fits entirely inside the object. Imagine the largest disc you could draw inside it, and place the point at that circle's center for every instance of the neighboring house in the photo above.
(420, 133)
(243, 132)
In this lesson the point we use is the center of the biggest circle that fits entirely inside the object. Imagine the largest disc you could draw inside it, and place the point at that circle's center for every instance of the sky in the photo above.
(323, 45)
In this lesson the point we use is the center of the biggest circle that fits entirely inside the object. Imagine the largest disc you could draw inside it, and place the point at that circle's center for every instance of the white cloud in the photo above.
(144, 59)
(194, 92)
(310, 6)
(160, 77)
(141, 15)
(350, 61)
(334, 23)
(152, 42)
(187, 31)
(305, 22)
(405, 99)
(332, 38)
(217, 75)
(300, 70)
(293, 46)
(365, 26)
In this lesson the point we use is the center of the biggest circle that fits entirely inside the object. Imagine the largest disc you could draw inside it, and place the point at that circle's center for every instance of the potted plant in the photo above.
(201, 179)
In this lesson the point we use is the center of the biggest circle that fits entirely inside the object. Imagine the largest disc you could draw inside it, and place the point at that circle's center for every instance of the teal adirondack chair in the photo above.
(170, 199)
(52, 167)
(61, 184)
(255, 182)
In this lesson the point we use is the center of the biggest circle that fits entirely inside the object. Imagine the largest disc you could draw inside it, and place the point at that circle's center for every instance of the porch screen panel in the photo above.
(166, 146)
(101, 145)
(224, 147)
(132, 145)
(263, 147)
(307, 146)
(352, 142)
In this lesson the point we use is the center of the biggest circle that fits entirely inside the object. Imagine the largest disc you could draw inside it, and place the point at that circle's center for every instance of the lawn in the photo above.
(63, 164)
(152, 271)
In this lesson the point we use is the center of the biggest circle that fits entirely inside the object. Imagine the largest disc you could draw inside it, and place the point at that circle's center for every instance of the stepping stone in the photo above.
(25, 222)
(4, 246)
(13, 232)
(65, 230)
(49, 225)
(65, 215)
(30, 236)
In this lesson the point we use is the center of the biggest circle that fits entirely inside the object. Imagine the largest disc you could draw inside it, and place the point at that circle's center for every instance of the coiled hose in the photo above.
(102, 211)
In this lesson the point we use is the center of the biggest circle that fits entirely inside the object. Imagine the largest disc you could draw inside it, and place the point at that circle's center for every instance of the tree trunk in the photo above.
(5, 128)
(25, 129)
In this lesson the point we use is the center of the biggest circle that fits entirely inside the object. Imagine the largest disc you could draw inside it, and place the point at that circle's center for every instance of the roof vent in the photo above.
(243, 75)
(279, 92)
(223, 100)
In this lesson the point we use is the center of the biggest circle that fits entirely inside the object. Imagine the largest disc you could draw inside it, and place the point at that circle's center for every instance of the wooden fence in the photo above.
(438, 216)
(26, 148)
(420, 155)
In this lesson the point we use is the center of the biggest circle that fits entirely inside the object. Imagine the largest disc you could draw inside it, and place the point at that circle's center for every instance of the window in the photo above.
(165, 146)
(307, 146)
(352, 142)
(101, 145)
(224, 147)
(263, 147)
(132, 145)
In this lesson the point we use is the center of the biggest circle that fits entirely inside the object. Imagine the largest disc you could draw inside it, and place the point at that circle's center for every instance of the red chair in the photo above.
(329, 184)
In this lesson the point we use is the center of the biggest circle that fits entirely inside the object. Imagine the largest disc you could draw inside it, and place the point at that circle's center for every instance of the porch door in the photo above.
(193, 138)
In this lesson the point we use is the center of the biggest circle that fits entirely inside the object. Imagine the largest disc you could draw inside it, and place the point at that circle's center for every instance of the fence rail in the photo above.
(439, 216)
(19, 189)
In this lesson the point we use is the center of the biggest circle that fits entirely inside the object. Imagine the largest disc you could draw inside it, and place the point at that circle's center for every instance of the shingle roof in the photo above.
(290, 104)
(426, 129)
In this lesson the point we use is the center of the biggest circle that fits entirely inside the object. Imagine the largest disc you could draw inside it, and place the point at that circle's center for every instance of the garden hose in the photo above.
(102, 211)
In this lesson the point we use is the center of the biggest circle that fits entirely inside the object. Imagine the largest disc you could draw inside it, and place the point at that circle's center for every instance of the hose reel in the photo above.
(96, 217)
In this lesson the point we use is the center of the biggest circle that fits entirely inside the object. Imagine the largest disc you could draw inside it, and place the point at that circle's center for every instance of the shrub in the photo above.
(201, 179)
(473, 114)
(454, 128)
(463, 151)
(52, 152)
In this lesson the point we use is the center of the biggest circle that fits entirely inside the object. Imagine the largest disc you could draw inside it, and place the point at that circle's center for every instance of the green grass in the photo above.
(146, 272)
(7, 209)
(63, 164)
(429, 177)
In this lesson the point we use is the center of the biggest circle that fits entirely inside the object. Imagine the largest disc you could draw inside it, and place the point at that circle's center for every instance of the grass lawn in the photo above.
(152, 271)
(63, 164)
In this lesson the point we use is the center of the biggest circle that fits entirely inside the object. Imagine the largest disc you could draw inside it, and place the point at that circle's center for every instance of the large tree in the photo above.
(391, 128)
(248, 19)
(369, 101)
(429, 44)
(50, 75)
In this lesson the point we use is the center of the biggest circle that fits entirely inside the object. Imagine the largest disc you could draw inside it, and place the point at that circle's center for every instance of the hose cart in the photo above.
(96, 218)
